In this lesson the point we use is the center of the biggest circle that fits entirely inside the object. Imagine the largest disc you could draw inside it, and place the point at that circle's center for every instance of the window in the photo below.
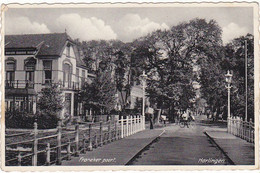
(10, 66)
(29, 66)
(10, 71)
(47, 71)
(30, 78)
(77, 75)
(30, 104)
(67, 75)
(10, 76)
(83, 76)
(68, 50)
(68, 103)
(19, 104)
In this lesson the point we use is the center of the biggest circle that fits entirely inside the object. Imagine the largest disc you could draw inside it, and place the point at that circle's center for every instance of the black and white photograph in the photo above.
(132, 85)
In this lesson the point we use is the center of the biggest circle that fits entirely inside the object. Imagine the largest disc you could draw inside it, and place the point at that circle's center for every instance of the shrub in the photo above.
(19, 120)
(49, 106)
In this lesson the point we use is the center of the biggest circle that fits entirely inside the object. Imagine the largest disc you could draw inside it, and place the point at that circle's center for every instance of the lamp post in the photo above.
(228, 80)
(143, 77)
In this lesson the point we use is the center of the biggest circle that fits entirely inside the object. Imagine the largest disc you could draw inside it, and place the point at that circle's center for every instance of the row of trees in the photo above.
(190, 54)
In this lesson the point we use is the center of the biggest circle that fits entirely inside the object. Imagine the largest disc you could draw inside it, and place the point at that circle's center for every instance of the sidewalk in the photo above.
(118, 152)
(238, 150)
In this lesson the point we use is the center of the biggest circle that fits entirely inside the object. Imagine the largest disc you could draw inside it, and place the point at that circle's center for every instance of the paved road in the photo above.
(182, 146)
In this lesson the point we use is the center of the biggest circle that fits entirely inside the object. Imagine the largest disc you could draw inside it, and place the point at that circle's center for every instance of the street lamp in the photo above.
(228, 80)
(143, 77)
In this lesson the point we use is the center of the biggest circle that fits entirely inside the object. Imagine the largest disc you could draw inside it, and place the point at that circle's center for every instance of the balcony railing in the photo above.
(71, 85)
(18, 84)
(65, 85)
(29, 84)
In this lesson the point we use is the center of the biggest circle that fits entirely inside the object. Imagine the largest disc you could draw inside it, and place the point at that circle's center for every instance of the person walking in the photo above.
(185, 118)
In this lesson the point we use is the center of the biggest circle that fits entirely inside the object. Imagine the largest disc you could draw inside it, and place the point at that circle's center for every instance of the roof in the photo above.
(47, 44)
(79, 58)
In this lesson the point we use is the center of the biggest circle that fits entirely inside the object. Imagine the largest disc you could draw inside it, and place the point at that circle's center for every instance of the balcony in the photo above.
(71, 85)
(63, 85)
(23, 84)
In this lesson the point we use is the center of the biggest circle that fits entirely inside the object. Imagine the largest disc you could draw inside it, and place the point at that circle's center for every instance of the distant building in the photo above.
(36, 60)
(136, 93)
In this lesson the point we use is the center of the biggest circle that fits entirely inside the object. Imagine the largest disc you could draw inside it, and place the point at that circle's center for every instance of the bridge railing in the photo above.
(242, 129)
(64, 143)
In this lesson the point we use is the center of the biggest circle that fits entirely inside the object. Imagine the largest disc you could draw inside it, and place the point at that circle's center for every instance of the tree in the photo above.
(235, 61)
(49, 106)
(173, 60)
(122, 78)
(100, 94)
(205, 45)
(113, 56)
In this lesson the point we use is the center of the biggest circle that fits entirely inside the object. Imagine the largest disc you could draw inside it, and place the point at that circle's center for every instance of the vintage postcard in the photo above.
(152, 86)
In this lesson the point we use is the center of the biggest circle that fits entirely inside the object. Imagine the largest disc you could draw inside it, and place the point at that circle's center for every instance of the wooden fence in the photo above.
(64, 143)
(242, 129)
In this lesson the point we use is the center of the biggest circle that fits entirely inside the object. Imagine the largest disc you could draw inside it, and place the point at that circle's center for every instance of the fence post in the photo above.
(68, 151)
(243, 131)
(241, 127)
(122, 127)
(143, 122)
(90, 148)
(140, 124)
(238, 126)
(109, 131)
(235, 125)
(58, 162)
(116, 134)
(127, 126)
(35, 145)
(84, 143)
(140, 117)
(228, 124)
(101, 133)
(96, 140)
(137, 123)
(231, 122)
(238, 120)
(77, 139)
(131, 126)
(48, 154)
(19, 157)
(250, 129)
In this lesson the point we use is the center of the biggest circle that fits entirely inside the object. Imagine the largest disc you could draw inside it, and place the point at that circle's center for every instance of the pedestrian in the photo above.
(185, 118)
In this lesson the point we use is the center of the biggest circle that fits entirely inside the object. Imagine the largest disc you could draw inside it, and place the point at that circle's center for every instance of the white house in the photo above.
(35, 60)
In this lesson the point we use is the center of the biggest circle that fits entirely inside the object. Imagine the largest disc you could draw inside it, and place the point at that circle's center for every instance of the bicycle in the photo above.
(191, 123)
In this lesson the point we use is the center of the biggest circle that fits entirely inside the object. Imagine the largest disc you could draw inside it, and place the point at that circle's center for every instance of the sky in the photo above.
(125, 24)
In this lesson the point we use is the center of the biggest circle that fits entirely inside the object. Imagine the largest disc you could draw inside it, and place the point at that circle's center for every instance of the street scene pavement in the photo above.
(203, 144)
(183, 146)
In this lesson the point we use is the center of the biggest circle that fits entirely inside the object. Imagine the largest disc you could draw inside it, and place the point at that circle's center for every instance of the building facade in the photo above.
(35, 61)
